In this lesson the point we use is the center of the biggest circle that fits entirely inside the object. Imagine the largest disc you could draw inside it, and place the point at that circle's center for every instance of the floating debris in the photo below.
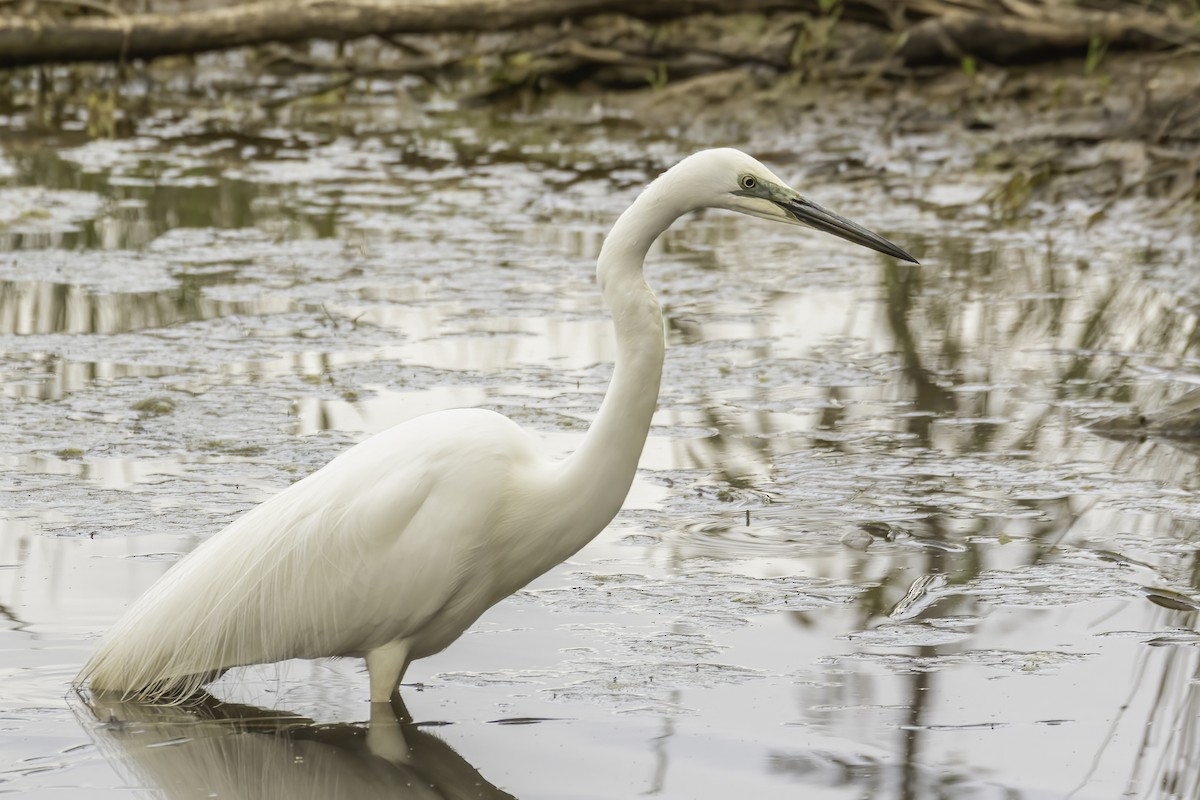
(1176, 601)
(924, 592)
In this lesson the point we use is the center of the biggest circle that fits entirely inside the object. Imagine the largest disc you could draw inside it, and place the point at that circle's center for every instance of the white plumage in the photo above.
(397, 546)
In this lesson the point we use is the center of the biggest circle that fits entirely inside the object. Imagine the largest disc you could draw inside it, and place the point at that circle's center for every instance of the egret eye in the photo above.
(748, 182)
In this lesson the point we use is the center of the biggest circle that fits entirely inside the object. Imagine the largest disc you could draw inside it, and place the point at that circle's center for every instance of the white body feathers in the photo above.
(410, 535)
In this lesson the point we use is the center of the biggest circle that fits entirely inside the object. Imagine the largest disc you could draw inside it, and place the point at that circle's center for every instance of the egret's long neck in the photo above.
(598, 475)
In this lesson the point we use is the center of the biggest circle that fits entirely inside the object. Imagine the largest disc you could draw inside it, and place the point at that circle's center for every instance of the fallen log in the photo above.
(1057, 33)
(932, 31)
(124, 37)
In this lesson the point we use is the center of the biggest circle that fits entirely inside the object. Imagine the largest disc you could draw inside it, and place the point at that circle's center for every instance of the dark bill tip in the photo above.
(821, 219)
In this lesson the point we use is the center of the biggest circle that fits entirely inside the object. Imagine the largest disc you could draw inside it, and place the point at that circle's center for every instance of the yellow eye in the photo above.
(748, 182)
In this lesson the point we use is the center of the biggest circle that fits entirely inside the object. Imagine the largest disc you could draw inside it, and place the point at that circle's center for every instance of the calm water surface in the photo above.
(872, 552)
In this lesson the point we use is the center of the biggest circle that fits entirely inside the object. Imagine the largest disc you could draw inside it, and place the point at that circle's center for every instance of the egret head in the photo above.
(728, 178)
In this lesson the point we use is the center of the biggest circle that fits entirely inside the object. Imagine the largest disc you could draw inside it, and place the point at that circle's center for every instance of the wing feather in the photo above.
(366, 550)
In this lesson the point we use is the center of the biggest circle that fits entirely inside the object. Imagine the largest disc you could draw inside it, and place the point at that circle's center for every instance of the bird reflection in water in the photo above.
(213, 749)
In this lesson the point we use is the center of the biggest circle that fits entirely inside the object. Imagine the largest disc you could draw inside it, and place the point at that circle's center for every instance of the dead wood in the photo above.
(1037, 34)
(904, 34)
(31, 40)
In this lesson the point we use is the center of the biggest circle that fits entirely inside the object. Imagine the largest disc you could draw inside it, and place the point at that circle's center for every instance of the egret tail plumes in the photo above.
(397, 546)
(240, 598)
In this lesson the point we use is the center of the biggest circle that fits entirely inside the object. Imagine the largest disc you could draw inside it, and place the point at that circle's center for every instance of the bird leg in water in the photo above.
(385, 666)
(385, 734)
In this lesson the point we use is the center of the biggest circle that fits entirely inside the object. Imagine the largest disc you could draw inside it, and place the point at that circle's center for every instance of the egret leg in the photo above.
(385, 735)
(385, 667)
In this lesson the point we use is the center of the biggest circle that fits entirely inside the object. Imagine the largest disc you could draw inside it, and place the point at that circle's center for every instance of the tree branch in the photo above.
(27, 40)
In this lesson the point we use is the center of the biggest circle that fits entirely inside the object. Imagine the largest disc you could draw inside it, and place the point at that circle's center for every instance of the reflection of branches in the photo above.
(901, 284)
(32, 307)
(1175, 774)
(18, 623)
(719, 449)
(1181, 778)
(1093, 329)
(1112, 728)
(968, 333)
(921, 691)
(1180, 727)
(661, 756)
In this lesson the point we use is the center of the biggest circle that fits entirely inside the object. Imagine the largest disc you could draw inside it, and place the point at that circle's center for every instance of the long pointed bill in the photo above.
(809, 213)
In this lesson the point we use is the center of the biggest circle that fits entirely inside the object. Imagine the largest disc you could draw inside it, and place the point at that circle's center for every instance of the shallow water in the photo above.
(871, 552)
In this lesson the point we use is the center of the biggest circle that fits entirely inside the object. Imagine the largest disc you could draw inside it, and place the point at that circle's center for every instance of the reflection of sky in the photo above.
(213, 340)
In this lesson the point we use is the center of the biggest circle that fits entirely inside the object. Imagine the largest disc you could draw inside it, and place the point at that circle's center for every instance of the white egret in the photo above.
(398, 545)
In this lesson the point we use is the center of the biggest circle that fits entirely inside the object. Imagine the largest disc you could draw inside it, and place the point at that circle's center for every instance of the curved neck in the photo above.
(598, 475)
